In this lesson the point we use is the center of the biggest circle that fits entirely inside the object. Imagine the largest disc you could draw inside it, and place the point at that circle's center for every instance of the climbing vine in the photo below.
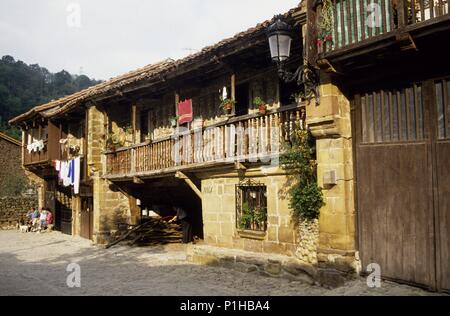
(326, 23)
(306, 197)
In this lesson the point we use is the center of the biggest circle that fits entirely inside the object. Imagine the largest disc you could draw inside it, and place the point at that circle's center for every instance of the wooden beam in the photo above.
(180, 175)
(137, 180)
(239, 166)
(177, 101)
(133, 121)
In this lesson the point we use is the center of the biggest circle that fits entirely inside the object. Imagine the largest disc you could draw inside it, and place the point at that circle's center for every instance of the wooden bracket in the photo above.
(406, 41)
(137, 180)
(180, 175)
(326, 65)
(239, 166)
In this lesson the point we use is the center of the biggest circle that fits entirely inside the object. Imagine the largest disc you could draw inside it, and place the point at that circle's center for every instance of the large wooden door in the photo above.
(403, 180)
(442, 153)
(63, 210)
(87, 218)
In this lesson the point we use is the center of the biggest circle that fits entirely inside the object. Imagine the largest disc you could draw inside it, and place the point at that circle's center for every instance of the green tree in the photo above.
(24, 86)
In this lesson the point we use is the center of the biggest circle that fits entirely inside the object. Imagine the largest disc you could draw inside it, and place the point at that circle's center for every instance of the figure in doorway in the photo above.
(186, 224)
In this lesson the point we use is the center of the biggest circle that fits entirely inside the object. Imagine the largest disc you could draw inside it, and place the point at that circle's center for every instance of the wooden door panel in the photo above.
(395, 209)
(443, 175)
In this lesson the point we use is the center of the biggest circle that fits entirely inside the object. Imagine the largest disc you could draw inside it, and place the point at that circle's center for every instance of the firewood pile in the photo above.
(156, 231)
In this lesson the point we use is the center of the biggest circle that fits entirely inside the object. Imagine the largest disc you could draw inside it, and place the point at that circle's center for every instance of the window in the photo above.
(251, 206)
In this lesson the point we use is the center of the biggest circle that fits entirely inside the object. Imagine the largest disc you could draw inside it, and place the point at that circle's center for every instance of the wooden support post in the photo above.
(402, 13)
(133, 121)
(177, 101)
(310, 49)
(182, 176)
(233, 90)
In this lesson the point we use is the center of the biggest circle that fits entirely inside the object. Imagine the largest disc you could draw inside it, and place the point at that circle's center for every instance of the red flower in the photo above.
(330, 38)
(319, 42)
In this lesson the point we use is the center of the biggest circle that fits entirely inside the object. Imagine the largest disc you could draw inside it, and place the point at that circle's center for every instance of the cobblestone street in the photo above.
(33, 264)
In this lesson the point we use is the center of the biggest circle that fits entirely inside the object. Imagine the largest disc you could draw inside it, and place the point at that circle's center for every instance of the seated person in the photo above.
(43, 220)
(35, 219)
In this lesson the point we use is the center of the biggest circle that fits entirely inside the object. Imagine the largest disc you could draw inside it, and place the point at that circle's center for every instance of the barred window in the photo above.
(251, 206)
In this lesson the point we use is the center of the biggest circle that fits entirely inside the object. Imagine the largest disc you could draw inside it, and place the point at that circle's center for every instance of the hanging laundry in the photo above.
(77, 175)
(69, 173)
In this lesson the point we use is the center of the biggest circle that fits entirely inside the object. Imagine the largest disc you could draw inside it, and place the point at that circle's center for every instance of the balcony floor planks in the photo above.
(196, 167)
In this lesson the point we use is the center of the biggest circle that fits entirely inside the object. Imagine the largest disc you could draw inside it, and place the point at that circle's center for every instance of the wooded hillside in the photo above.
(24, 86)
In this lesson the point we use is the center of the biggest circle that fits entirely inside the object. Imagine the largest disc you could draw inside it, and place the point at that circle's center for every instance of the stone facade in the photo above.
(219, 213)
(111, 206)
(330, 123)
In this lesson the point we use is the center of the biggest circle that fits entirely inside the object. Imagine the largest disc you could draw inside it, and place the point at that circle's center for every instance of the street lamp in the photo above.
(280, 37)
(280, 40)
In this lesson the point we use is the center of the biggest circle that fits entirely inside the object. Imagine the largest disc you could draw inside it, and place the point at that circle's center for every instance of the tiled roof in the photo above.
(141, 75)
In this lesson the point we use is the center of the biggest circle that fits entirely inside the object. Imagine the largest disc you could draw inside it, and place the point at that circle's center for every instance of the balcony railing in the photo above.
(357, 21)
(252, 138)
(35, 157)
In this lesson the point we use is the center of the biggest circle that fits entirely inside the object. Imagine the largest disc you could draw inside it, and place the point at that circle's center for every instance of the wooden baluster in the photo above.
(204, 146)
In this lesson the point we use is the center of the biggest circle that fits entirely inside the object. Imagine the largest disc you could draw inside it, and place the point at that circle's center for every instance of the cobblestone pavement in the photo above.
(35, 264)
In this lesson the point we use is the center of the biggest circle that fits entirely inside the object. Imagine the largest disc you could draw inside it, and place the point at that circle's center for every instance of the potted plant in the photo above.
(247, 220)
(227, 105)
(113, 142)
(262, 106)
(298, 97)
(173, 121)
(260, 216)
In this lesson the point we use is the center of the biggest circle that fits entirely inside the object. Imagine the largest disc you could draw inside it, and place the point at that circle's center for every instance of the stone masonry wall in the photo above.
(13, 208)
(282, 237)
(11, 170)
(111, 206)
(330, 123)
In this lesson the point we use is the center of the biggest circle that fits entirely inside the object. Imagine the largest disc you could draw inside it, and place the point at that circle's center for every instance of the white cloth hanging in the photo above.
(77, 171)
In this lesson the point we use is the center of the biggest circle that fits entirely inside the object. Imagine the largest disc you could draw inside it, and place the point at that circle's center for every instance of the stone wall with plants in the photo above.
(219, 215)
(12, 177)
(13, 208)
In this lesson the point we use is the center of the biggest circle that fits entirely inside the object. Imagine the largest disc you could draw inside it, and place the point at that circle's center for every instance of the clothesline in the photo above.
(69, 173)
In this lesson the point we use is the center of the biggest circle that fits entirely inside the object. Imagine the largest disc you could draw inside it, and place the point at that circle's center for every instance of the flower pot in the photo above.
(262, 109)
(228, 106)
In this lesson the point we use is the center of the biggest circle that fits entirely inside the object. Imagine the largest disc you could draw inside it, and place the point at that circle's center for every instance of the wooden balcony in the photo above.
(251, 138)
(51, 151)
(359, 23)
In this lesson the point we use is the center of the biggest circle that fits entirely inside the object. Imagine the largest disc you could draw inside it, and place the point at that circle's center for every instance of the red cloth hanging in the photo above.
(185, 112)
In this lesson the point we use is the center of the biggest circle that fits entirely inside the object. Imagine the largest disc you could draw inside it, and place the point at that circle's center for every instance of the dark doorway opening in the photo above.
(242, 99)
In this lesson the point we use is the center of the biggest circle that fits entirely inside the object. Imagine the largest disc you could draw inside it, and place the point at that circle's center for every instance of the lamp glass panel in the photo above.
(285, 42)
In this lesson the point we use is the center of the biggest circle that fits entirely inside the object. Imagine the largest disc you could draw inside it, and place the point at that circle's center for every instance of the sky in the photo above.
(106, 38)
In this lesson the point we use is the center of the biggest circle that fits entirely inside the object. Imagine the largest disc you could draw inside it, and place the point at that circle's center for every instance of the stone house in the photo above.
(11, 173)
(14, 182)
(381, 137)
